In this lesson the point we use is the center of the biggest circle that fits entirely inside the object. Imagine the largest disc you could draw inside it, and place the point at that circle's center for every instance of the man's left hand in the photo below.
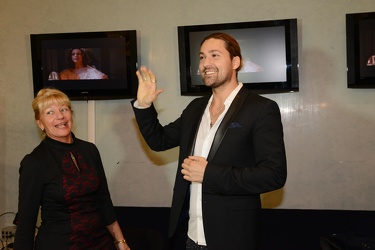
(193, 168)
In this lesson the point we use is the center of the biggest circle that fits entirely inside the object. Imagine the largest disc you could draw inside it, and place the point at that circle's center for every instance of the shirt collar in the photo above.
(230, 98)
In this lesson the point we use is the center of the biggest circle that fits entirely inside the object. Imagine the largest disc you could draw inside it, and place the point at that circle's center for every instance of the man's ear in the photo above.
(236, 62)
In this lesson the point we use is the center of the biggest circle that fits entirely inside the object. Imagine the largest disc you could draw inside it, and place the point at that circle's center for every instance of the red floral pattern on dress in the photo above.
(80, 190)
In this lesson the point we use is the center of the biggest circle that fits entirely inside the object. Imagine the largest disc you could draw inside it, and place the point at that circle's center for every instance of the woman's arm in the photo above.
(30, 195)
(118, 237)
(105, 203)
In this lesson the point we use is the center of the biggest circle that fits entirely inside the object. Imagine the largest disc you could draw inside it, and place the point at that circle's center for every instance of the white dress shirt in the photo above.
(202, 147)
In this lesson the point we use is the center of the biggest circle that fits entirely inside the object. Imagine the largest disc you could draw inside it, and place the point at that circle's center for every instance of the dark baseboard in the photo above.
(144, 226)
(295, 229)
(290, 229)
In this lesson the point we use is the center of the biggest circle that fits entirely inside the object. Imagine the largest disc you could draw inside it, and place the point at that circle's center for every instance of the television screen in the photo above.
(269, 50)
(86, 66)
(360, 44)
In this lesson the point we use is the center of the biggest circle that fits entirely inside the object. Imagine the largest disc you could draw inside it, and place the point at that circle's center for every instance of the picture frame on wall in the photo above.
(360, 47)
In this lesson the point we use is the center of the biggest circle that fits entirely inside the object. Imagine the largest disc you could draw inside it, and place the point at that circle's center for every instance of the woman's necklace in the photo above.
(212, 117)
(75, 162)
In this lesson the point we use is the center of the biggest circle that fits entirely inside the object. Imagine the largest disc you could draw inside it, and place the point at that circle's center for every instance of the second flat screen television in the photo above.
(269, 50)
(360, 48)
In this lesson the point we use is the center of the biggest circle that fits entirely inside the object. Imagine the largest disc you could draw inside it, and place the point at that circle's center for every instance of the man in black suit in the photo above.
(231, 150)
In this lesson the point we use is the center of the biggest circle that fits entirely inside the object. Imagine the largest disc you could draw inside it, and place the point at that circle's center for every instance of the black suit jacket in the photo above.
(247, 158)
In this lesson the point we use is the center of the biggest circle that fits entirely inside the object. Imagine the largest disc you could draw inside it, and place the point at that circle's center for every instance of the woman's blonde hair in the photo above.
(47, 97)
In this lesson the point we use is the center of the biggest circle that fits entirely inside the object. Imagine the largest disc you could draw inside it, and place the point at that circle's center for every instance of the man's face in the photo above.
(215, 65)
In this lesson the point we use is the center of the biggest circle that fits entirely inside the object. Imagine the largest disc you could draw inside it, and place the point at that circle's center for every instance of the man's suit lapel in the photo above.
(228, 119)
(220, 133)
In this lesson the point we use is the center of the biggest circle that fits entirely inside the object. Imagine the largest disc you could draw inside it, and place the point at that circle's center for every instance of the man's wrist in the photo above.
(140, 106)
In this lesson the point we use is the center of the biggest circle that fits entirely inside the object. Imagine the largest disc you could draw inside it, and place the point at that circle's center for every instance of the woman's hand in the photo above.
(118, 237)
(122, 246)
(147, 92)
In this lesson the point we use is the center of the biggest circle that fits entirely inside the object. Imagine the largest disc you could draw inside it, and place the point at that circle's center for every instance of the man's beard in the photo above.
(217, 81)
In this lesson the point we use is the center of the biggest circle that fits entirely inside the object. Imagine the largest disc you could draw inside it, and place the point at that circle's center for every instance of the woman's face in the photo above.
(76, 55)
(56, 121)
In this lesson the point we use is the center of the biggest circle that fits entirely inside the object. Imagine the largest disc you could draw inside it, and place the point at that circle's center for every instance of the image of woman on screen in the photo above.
(79, 68)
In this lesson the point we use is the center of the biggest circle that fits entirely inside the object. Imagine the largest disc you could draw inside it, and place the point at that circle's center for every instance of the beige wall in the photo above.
(329, 129)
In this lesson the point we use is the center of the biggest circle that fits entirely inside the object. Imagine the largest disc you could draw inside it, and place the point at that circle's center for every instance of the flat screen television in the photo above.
(269, 50)
(360, 50)
(111, 57)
